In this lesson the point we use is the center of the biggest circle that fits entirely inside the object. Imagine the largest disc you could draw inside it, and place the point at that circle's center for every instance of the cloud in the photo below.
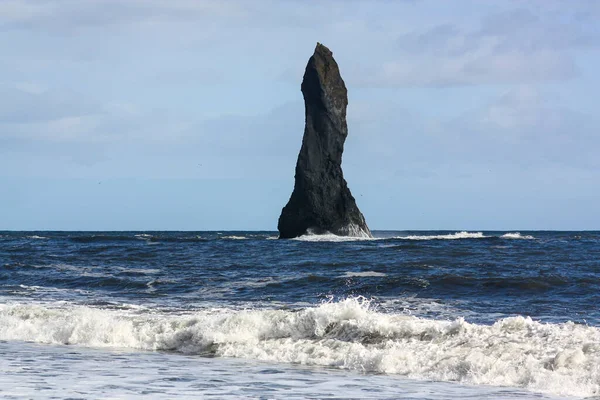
(525, 126)
(122, 140)
(511, 47)
(39, 119)
(60, 129)
(174, 88)
(39, 125)
(69, 15)
(515, 46)
(31, 103)
(524, 30)
(234, 146)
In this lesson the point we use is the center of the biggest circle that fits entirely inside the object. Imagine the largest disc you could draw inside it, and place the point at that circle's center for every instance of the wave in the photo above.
(153, 239)
(450, 236)
(100, 238)
(187, 239)
(354, 234)
(363, 274)
(309, 237)
(329, 237)
(516, 235)
(150, 239)
(517, 351)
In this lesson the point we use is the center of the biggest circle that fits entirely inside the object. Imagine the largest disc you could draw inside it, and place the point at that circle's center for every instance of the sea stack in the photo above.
(321, 201)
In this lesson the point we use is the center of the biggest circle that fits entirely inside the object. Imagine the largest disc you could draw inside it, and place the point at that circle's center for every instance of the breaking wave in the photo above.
(363, 274)
(329, 237)
(450, 236)
(516, 235)
(354, 234)
(517, 351)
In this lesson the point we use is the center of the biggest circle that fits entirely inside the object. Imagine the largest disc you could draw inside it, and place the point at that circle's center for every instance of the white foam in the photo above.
(233, 237)
(424, 307)
(561, 359)
(330, 237)
(363, 274)
(516, 235)
(254, 282)
(36, 237)
(351, 232)
(32, 371)
(355, 231)
(51, 289)
(32, 288)
(451, 236)
(149, 271)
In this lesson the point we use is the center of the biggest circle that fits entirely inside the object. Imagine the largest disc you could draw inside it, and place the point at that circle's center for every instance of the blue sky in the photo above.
(188, 115)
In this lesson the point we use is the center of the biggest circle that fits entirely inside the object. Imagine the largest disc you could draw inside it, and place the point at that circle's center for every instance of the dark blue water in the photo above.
(550, 276)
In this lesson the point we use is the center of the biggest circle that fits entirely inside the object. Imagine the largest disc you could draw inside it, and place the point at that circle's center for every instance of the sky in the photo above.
(188, 115)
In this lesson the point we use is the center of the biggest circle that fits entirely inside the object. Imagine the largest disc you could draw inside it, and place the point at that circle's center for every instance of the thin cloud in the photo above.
(30, 103)
(514, 47)
(70, 15)
(525, 126)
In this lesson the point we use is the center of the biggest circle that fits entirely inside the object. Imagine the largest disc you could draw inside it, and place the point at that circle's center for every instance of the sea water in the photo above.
(424, 315)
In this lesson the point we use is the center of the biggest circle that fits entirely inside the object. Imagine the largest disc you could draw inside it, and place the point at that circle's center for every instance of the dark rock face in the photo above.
(321, 201)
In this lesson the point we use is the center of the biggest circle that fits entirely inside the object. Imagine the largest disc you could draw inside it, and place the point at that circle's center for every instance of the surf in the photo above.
(349, 334)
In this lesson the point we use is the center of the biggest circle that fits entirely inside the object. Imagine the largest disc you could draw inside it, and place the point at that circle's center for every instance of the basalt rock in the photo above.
(321, 201)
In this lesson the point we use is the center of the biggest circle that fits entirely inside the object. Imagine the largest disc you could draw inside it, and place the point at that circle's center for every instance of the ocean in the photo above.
(232, 315)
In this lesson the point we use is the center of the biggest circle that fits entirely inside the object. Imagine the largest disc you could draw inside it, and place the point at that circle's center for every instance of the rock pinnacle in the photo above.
(321, 201)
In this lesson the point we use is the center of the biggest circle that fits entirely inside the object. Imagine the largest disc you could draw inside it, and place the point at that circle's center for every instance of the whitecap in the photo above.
(330, 237)
(254, 282)
(144, 271)
(32, 288)
(51, 289)
(517, 351)
(451, 236)
(516, 235)
(362, 274)
(354, 233)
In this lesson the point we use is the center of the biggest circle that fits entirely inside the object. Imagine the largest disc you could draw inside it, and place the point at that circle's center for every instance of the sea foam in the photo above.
(561, 359)
(516, 235)
(354, 233)
(329, 237)
(363, 274)
(450, 236)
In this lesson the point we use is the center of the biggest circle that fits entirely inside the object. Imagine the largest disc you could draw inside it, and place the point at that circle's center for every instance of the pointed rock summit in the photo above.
(321, 201)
